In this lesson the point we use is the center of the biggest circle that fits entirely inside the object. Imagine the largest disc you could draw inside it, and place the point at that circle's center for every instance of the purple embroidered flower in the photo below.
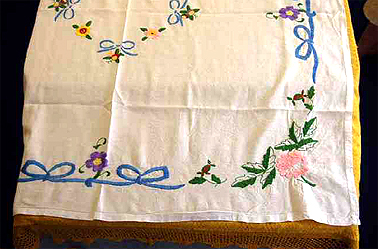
(97, 161)
(289, 12)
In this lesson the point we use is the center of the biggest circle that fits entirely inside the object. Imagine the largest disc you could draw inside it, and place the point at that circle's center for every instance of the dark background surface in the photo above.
(17, 20)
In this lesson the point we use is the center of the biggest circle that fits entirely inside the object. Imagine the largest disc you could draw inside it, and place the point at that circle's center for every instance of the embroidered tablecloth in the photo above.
(169, 110)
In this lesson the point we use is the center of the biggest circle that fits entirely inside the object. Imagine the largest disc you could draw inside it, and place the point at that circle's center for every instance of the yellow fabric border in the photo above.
(28, 229)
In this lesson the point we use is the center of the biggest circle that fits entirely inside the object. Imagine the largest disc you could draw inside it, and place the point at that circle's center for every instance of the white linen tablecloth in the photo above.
(177, 110)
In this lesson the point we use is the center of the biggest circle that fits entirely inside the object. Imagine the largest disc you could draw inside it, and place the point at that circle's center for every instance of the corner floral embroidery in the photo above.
(181, 11)
(289, 12)
(64, 8)
(97, 160)
(291, 161)
(83, 30)
(58, 4)
(189, 13)
(304, 33)
(203, 176)
(151, 33)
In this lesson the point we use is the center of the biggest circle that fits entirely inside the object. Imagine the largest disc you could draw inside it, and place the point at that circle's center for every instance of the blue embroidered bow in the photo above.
(176, 15)
(309, 41)
(108, 45)
(147, 181)
(71, 4)
(47, 176)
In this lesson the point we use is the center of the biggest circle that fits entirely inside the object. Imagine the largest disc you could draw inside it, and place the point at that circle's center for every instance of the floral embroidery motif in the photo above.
(83, 30)
(58, 4)
(113, 56)
(307, 99)
(189, 13)
(289, 12)
(119, 50)
(97, 161)
(206, 171)
(152, 33)
(307, 34)
(180, 12)
(291, 163)
(64, 8)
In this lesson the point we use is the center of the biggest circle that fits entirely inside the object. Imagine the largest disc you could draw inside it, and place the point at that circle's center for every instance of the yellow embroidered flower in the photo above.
(83, 30)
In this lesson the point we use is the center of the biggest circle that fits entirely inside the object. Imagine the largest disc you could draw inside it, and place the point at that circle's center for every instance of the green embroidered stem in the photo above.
(98, 174)
(100, 142)
(308, 182)
(80, 169)
(106, 172)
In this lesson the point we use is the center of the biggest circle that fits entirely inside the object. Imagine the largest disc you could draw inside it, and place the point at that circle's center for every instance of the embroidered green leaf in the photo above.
(300, 20)
(197, 180)
(144, 38)
(117, 60)
(196, 10)
(162, 29)
(288, 98)
(51, 6)
(286, 145)
(188, 7)
(144, 29)
(75, 26)
(268, 158)
(88, 23)
(215, 179)
(311, 92)
(253, 170)
(107, 58)
(307, 126)
(117, 51)
(57, 9)
(292, 133)
(270, 178)
(306, 144)
(88, 37)
(191, 18)
(208, 161)
(243, 182)
(308, 106)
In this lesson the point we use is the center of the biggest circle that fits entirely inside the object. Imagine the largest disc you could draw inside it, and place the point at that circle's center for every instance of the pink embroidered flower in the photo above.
(151, 33)
(292, 164)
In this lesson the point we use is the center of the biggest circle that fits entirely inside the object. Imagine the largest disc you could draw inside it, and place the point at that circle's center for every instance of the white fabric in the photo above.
(213, 89)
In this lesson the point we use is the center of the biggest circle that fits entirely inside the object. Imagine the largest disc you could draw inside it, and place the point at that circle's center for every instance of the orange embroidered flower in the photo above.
(113, 56)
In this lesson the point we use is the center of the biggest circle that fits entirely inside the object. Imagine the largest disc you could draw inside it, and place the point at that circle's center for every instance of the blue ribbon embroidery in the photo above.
(140, 179)
(309, 41)
(65, 11)
(176, 14)
(108, 45)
